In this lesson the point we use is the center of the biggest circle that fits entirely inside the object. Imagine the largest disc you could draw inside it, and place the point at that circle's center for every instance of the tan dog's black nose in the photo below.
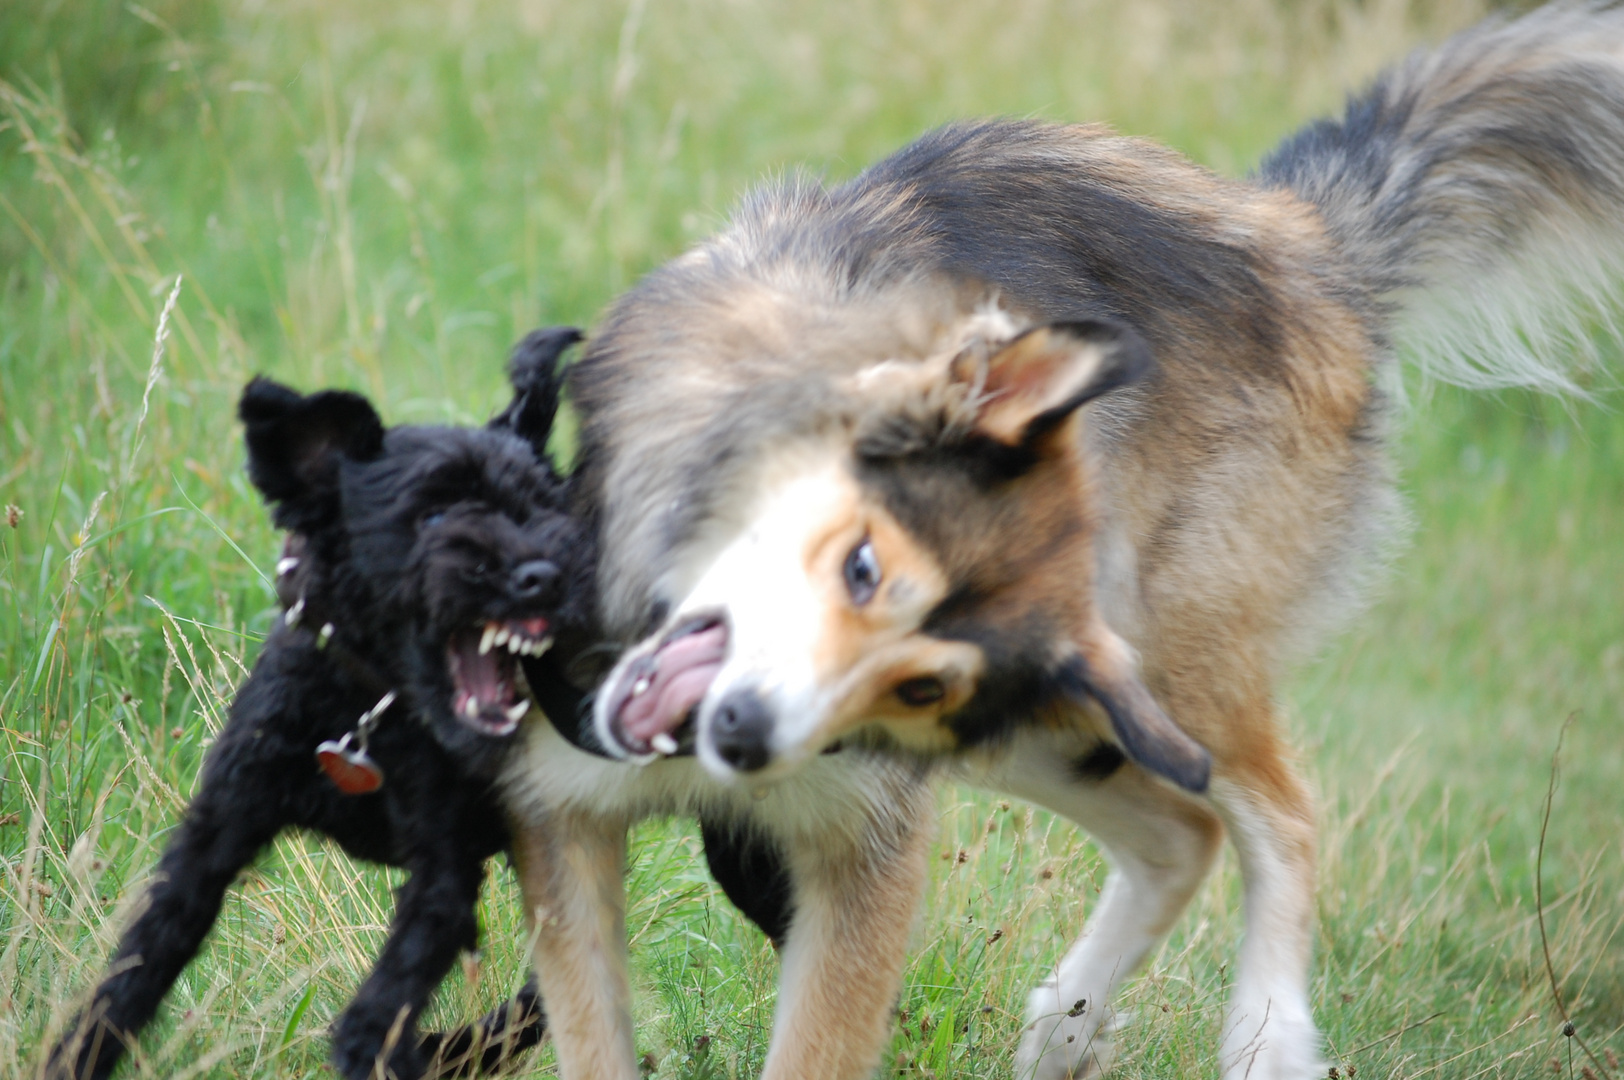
(742, 727)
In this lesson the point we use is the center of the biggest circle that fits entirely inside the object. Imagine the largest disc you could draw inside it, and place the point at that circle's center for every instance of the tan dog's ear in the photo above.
(1103, 669)
(1028, 387)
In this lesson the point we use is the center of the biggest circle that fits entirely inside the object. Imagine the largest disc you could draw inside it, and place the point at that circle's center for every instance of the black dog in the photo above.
(422, 562)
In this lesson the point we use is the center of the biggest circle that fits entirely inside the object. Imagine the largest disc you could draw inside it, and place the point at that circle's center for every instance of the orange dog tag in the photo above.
(352, 771)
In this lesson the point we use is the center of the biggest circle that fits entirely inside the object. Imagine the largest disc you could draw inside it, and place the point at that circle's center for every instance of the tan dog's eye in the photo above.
(925, 690)
(862, 573)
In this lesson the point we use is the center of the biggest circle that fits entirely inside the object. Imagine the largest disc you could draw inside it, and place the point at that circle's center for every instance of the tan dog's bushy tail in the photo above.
(1478, 190)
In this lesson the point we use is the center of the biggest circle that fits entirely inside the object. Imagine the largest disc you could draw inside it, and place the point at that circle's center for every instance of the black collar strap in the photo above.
(304, 618)
(294, 575)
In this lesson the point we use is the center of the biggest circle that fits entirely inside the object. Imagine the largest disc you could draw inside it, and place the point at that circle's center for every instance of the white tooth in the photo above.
(517, 712)
(502, 636)
(487, 638)
(286, 566)
(325, 636)
(664, 743)
(515, 643)
(543, 645)
(527, 648)
(292, 617)
(470, 708)
(640, 687)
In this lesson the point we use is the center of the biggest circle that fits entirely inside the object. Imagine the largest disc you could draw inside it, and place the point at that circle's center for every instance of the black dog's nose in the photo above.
(537, 580)
(742, 727)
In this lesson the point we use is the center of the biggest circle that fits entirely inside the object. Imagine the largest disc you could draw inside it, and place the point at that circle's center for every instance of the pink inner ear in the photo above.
(1024, 377)
(1034, 373)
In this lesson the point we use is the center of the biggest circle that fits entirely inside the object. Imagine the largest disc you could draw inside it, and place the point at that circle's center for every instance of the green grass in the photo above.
(385, 196)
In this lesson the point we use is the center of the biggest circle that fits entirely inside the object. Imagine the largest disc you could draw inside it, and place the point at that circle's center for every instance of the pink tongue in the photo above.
(686, 668)
(480, 675)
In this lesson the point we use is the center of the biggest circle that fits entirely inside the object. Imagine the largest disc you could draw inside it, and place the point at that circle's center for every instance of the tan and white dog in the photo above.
(1040, 451)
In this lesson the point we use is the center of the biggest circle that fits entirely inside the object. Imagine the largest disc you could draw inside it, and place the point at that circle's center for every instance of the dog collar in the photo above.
(345, 760)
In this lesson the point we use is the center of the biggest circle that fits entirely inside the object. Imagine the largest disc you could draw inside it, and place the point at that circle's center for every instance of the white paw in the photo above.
(1070, 1044)
(1270, 1042)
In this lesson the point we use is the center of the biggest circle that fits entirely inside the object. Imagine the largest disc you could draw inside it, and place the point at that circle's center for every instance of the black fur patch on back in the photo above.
(1066, 240)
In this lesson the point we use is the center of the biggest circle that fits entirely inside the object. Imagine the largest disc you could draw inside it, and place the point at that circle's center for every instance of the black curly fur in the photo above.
(405, 539)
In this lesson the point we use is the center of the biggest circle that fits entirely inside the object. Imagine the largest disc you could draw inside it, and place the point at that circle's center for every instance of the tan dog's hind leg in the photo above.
(1269, 1033)
(855, 903)
(571, 871)
(1160, 842)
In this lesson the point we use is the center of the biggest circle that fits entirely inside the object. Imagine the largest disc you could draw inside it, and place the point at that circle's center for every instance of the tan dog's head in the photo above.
(922, 568)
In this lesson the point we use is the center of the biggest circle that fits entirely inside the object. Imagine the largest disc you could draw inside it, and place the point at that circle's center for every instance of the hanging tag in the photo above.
(352, 771)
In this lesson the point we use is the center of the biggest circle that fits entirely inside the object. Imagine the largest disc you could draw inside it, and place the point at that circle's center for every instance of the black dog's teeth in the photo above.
(514, 712)
(515, 637)
(484, 663)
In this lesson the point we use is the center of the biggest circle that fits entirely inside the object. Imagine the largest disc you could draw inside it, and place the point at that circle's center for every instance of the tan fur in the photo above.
(913, 583)
(868, 696)
(570, 870)
(845, 958)
(863, 653)
(841, 966)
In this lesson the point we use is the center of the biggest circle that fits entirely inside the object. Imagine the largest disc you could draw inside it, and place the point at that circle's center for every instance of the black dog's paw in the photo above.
(358, 1046)
(492, 1043)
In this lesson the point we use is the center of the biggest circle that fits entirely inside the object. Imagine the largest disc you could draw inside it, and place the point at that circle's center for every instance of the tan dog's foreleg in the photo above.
(1269, 1033)
(1161, 842)
(855, 903)
(571, 869)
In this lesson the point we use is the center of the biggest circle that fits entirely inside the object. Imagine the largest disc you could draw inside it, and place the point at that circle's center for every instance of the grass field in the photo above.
(385, 196)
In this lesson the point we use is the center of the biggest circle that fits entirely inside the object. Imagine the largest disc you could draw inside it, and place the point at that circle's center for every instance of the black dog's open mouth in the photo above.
(484, 665)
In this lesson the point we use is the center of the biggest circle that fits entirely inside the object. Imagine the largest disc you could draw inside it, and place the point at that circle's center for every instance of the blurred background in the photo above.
(385, 196)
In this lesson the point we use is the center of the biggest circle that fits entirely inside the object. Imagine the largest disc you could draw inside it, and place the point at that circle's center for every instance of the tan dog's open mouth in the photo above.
(658, 692)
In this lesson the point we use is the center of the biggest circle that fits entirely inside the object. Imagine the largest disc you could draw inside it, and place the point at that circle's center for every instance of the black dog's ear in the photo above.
(295, 441)
(534, 372)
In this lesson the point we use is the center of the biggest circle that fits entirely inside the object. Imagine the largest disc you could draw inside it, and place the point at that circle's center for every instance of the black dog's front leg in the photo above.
(216, 840)
(434, 921)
